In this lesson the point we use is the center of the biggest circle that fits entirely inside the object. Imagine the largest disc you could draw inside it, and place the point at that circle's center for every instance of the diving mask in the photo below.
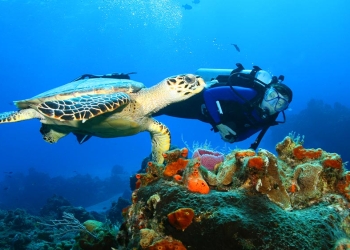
(274, 102)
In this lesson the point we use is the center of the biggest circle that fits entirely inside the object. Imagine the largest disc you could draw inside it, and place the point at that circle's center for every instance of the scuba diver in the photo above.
(237, 103)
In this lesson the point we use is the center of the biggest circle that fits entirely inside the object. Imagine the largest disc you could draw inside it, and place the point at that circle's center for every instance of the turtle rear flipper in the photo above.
(83, 107)
(81, 138)
(160, 136)
(20, 115)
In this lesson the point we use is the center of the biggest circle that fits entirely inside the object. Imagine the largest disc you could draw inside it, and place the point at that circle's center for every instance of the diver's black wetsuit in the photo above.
(245, 122)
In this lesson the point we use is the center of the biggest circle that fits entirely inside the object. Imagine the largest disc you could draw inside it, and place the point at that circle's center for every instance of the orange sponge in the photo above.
(167, 244)
(343, 185)
(301, 153)
(256, 162)
(177, 177)
(184, 152)
(244, 153)
(194, 179)
(197, 185)
(334, 162)
(181, 218)
(173, 167)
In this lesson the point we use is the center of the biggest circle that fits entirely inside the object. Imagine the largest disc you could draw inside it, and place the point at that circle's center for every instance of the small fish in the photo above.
(236, 46)
(7, 172)
(187, 7)
(196, 1)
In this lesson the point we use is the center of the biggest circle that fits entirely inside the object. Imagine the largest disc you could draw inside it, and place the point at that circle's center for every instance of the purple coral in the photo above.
(208, 158)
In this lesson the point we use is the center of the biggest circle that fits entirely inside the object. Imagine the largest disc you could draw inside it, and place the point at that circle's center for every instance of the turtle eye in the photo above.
(189, 78)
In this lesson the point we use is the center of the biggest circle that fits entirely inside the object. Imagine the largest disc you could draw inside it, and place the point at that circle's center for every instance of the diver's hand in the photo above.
(227, 134)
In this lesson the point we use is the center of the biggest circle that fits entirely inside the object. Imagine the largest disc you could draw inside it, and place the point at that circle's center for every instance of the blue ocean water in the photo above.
(44, 44)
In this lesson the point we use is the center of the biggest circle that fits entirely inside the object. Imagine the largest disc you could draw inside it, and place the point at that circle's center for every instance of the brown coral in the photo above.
(270, 182)
(225, 173)
(146, 237)
(307, 176)
(92, 225)
(181, 218)
(175, 154)
(342, 244)
(285, 147)
(208, 176)
(153, 173)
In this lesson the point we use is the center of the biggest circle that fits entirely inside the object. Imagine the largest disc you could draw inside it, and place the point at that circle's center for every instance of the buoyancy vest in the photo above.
(243, 113)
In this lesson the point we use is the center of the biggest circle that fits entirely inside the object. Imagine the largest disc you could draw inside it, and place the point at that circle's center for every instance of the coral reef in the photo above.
(20, 230)
(59, 230)
(297, 199)
(252, 200)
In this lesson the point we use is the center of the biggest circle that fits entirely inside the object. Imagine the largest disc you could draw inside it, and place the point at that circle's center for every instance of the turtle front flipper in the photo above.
(160, 136)
(20, 115)
(52, 134)
(83, 107)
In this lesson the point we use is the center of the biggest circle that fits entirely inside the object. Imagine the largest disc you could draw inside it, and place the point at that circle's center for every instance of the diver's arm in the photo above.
(243, 135)
(225, 93)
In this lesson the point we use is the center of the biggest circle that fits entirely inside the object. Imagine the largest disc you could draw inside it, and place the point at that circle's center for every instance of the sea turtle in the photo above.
(106, 107)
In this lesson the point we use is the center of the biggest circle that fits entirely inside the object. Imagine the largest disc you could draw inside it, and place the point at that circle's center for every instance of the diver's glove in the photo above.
(227, 134)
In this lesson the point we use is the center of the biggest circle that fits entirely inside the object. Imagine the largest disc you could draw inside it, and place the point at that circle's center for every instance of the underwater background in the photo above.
(44, 44)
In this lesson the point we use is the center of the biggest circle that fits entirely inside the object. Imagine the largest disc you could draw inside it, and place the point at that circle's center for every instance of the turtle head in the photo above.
(171, 90)
(185, 85)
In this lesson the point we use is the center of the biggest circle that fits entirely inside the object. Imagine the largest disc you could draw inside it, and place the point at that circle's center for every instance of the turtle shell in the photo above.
(81, 87)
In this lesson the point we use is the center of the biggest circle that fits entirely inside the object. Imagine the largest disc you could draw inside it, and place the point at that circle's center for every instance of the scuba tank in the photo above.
(209, 75)
(255, 78)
